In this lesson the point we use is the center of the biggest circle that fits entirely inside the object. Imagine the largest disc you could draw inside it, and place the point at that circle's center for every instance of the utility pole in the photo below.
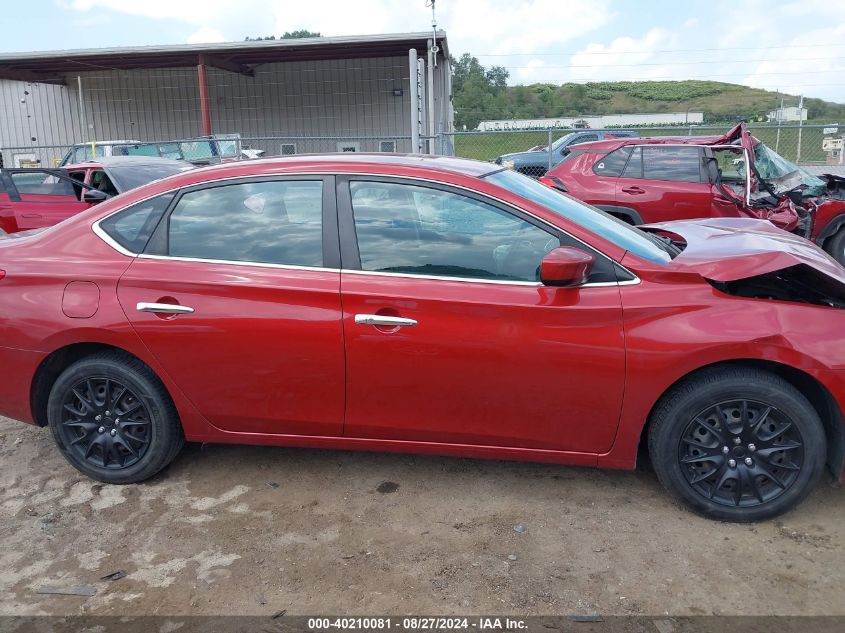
(800, 123)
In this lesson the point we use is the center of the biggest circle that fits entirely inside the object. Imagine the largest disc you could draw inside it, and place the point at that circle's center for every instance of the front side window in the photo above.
(594, 220)
(41, 183)
(132, 227)
(277, 222)
(679, 164)
(417, 230)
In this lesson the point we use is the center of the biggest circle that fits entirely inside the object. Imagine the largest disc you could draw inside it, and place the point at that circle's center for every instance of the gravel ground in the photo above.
(247, 530)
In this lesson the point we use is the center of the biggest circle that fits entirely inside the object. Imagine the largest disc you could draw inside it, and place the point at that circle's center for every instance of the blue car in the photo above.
(535, 162)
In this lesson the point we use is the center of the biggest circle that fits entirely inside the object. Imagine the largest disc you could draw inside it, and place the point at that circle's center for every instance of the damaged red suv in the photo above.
(428, 305)
(646, 180)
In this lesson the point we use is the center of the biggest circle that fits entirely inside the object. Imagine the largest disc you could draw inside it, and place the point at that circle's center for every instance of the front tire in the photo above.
(737, 444)
(113, 420)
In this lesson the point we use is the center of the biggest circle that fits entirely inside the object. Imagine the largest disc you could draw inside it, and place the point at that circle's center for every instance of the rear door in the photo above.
(665, 182)
(237, 295)
(39, 197)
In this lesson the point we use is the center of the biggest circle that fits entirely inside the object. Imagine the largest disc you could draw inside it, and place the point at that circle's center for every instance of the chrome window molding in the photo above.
(97, 229)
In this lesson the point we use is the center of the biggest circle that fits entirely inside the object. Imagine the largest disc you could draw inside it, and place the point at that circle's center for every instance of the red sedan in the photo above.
(426, 305)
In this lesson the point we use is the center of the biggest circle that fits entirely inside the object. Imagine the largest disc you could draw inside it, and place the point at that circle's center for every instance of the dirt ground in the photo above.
(245, 530)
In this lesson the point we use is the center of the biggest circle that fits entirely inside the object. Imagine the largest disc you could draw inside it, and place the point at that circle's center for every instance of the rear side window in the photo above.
(634, 168)
(277, 222)
(132, 227)
(613, 163)
(679, 164)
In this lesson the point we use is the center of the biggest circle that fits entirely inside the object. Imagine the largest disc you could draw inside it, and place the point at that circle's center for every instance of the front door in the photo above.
(238, 297)
(450, 338)
(41, 197)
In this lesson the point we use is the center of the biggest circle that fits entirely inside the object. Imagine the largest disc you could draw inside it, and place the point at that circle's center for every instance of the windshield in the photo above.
(613, 230)
(130, 176)
(771, 166)
(562, 140)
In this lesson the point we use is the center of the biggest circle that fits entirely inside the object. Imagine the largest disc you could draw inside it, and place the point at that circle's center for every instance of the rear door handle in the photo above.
(163, 308)
(633, 190)
(379, 319)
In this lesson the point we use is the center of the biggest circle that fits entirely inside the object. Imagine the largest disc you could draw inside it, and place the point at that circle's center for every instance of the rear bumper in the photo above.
(17, 368)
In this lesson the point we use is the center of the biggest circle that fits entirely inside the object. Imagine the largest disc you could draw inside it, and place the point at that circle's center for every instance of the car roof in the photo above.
(357, 160)
(612, 144)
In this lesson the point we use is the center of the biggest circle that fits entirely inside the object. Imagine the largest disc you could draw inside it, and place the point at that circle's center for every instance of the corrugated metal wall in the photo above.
(339, 99)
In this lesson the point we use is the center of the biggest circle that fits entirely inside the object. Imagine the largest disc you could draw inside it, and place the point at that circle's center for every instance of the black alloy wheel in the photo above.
(741, 453)
(105, 423)
(113, 419)
(737, 443)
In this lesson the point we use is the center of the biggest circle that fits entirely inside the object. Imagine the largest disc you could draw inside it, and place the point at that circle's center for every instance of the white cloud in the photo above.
(756, 42)
(205, 35)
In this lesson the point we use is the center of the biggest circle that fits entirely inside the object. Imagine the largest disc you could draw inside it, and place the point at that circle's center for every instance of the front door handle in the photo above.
(379, 319)
(163, 308)
(633, 190)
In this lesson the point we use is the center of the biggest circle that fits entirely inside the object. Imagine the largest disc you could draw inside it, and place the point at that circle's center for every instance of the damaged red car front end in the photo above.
(658, 179)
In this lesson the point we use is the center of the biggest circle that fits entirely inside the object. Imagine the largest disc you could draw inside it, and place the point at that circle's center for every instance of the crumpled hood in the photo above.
(728, 249)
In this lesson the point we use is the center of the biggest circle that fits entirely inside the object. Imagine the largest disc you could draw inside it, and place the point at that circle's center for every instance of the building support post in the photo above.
(205, 108)
(82, 123)
(416, 113)
(432, 125)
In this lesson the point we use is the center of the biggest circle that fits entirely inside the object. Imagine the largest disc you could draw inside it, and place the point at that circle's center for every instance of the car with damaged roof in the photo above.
(666, 178)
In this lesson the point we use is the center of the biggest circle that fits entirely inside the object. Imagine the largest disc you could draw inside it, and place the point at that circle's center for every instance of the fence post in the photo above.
(549, 147)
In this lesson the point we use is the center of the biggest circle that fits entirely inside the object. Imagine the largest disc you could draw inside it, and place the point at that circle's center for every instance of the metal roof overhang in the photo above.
(240, 57)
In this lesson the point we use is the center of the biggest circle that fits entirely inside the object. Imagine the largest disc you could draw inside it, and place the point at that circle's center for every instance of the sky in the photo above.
(796, 46)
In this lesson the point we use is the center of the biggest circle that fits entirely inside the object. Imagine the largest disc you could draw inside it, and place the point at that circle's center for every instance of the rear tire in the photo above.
(113, 420)
(737, 444)
(835, 246)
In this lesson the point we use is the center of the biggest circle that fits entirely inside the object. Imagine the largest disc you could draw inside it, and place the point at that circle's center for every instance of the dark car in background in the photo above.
(34, 198)
(535, 161)
(647, 180)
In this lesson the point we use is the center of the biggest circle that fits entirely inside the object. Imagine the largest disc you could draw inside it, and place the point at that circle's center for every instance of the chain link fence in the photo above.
(803, 144)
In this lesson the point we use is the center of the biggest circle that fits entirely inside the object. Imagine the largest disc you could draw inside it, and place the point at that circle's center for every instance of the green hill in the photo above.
(482, 94)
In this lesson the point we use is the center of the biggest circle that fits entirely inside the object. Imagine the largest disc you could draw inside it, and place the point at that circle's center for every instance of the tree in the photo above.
(288, 35)
(300, 34)
(475, 90)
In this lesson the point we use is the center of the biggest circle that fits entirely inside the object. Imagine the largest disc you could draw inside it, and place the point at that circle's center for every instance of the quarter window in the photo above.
(411, 229)
(132, 227)
(613, 163)
(680, 164)
(277, 222)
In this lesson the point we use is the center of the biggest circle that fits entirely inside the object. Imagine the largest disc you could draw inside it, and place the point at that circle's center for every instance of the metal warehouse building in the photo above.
(367, 93)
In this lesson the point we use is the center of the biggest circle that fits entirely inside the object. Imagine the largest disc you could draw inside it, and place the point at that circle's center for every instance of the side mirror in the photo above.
(94, 196)
(566, 266)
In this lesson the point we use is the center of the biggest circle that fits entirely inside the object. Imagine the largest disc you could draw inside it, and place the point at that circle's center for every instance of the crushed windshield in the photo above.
(773, 166)
(606, 226)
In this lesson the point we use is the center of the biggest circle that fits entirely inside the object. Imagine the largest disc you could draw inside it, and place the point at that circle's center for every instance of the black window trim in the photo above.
(341, 212)
(351, 260)
(157, 245)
